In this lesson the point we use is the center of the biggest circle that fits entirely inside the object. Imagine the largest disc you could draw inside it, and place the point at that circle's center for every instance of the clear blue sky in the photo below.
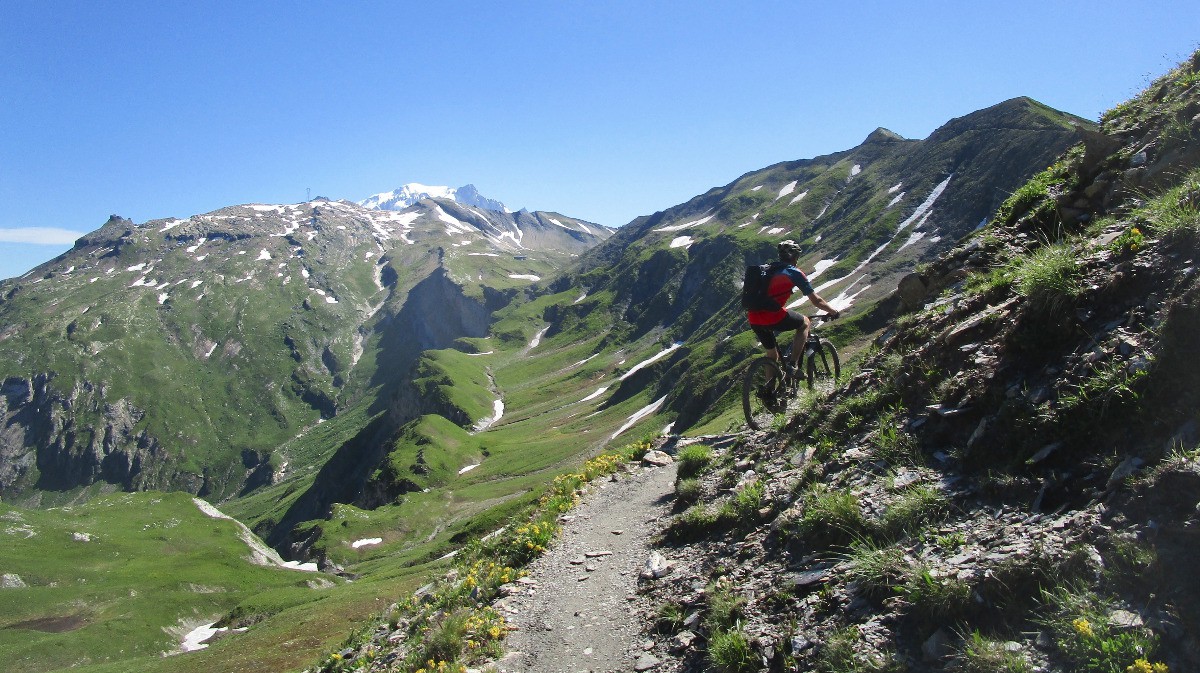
(599, 110)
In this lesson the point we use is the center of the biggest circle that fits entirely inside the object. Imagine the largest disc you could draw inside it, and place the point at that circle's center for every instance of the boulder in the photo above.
(657, 459)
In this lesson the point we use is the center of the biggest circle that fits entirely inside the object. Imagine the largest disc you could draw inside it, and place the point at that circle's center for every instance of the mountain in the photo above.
(410, 194)
(1010, 479)
(180, 354)
(1007, 480)
(864, 217)
(334, 374)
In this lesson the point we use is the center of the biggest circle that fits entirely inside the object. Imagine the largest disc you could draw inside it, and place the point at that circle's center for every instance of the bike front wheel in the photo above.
(764, 393)
(823, 368)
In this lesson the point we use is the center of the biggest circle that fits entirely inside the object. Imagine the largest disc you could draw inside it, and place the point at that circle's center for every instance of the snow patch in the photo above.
(895, 188)
(497, 414)
(646, 363)
(799, 196)
(366, 542)
(194, 640)
(787, 189)
(926, 205)
(820, 267)
(525, 276)
(263, 255)
(469, 468)
(682, 242)
(537, 338)
(598, 393)
(913, 238)
(685, 225)
(642, 413)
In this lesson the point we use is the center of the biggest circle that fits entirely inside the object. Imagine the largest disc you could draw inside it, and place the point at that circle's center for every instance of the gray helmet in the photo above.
(789, 250)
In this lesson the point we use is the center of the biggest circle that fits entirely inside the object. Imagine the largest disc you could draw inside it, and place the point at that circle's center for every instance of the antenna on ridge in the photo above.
(307, 194)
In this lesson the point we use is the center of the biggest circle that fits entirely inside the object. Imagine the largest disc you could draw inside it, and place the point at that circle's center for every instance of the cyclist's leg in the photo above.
(801, 324)
(766, 337)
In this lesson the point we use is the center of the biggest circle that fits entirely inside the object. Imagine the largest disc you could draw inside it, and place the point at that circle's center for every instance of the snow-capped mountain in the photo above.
(399, 199)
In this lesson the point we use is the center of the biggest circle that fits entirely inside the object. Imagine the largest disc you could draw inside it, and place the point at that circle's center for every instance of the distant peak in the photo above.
(411, 193)
(882, 135)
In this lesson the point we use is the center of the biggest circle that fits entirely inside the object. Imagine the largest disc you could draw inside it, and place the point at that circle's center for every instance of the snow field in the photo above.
(685, 225)
(641, 413)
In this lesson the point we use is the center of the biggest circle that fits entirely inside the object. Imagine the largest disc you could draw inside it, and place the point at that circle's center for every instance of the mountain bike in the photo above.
(768, 387)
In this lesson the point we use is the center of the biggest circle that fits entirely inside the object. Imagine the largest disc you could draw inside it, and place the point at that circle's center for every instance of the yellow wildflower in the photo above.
(1083, 627)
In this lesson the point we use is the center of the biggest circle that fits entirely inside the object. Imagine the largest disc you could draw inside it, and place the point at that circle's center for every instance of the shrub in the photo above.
(693, 460)
(877, 570)
(694, 521)
(1175, 214)
(730, 651)
(841, 655)
(743, 507)
(1048, 278)
(832, 517)
(937, 599)
(916, 507)
(687, 491)
(668, 617)
(1083, 635)
(984, 655)
(724, 607)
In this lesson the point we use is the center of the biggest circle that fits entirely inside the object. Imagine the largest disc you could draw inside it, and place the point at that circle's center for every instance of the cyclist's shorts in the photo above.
(766, 333)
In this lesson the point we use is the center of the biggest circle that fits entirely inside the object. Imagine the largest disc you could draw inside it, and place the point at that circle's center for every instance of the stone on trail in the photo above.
(657, 459)
(646, 662)
(657, 566)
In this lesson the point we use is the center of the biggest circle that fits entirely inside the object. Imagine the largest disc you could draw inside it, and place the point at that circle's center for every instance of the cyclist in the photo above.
(766, 324)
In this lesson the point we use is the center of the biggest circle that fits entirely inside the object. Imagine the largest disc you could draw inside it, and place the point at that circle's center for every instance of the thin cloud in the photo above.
(39, 235)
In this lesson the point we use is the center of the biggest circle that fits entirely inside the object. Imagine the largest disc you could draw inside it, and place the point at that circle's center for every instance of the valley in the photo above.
(380, 395)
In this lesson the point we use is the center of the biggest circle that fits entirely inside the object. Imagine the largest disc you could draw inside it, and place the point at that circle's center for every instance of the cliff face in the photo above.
(79, 438)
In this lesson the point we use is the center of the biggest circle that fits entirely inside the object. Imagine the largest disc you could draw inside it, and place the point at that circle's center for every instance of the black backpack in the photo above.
(754, 287)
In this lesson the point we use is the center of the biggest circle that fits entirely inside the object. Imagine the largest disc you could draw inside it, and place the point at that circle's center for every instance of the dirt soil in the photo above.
(579, 609)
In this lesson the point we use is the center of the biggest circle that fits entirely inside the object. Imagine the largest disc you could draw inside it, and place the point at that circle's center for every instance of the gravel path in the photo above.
(579, 609)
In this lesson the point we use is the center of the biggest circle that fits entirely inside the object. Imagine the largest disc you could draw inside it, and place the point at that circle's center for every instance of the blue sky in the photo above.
(599, 110)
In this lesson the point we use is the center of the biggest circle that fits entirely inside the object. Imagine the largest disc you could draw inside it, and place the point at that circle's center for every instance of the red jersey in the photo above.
(780, 288)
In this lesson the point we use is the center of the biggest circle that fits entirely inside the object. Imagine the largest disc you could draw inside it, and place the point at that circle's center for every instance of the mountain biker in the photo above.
(767, 323)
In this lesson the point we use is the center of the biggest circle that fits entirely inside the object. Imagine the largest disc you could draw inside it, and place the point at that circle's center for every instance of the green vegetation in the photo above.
(983, 655)
(1048, 278)
(829, 517)
(840, 655)
(730, 651)
(103, 578)
(693, 460)
(1083, 634)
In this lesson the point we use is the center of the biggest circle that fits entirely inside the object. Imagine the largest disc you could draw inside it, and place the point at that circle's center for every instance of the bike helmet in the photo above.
(789, 250)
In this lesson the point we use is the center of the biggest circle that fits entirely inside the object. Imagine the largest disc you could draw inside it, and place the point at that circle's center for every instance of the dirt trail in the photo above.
(579, 609)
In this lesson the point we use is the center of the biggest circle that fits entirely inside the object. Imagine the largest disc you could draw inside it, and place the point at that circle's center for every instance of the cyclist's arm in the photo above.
(806, 287)
(823, 305)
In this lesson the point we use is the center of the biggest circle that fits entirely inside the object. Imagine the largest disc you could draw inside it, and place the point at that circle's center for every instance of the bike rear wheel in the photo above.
(823, 368)
(764, 394)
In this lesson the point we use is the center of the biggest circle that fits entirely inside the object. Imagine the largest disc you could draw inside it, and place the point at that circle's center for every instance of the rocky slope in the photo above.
(1010, 481)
